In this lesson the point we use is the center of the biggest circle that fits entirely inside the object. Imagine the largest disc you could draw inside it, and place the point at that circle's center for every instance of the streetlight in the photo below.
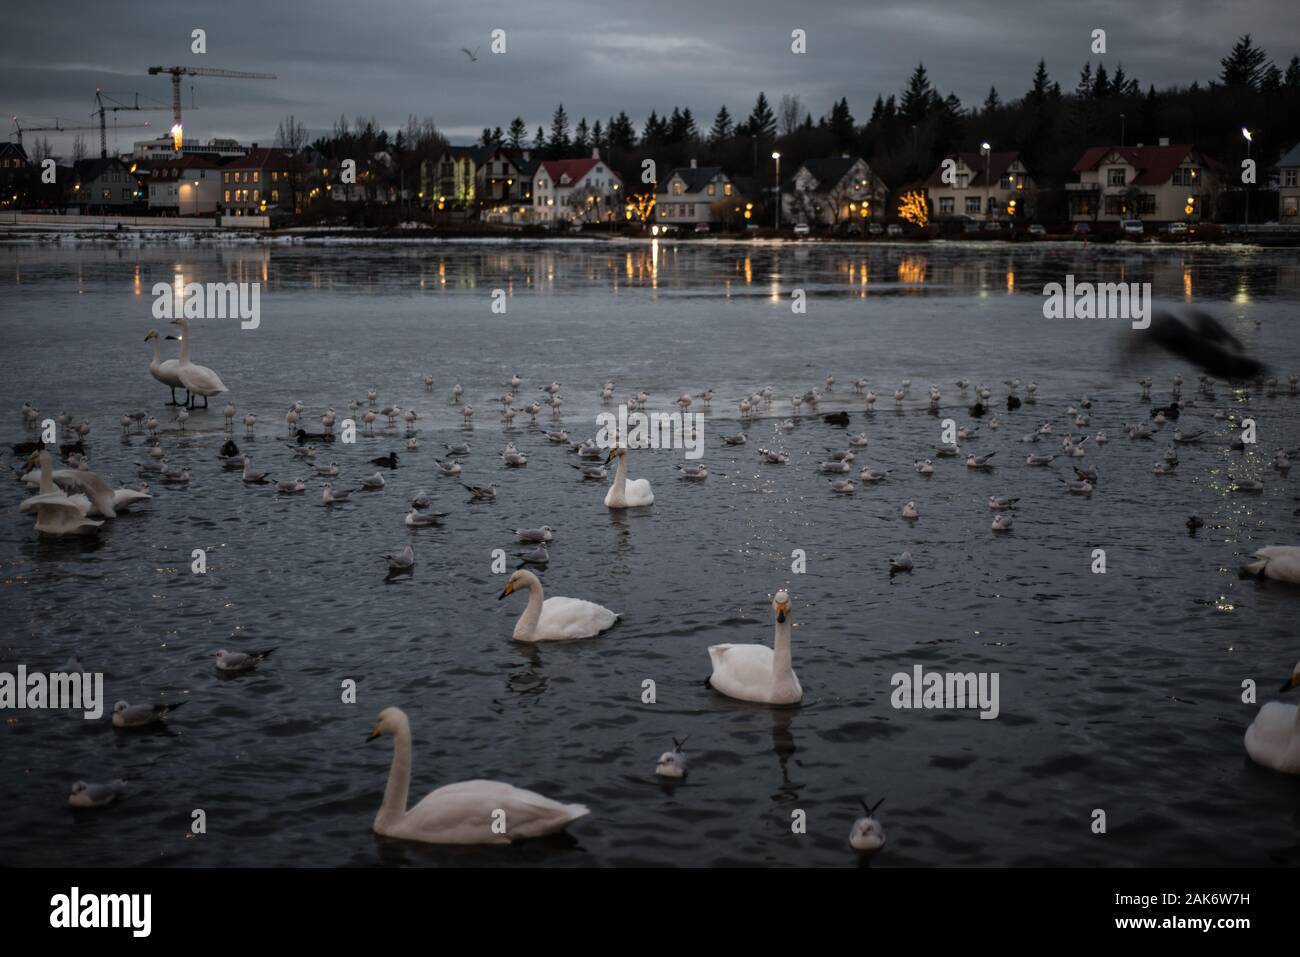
(777, 189)
(1250, 137)
(986, 150)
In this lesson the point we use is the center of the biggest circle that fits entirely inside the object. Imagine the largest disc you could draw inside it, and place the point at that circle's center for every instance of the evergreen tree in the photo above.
(539, 143)
(1039, 91)
(559, 143)
(485, 138)
(1272, 81)
(762, 122)
(918, 98)
(992, 101)
(622, 135)
(1085, 81)
(1245, 66)
(841, 124)
(877, 110)
(1100, 83)
(722, 126)
(518, 133)
(1292, 77)
(598, 137)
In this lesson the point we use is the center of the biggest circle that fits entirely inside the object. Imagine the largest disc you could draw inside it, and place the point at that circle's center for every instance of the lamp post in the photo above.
(986, 150)
(196, 197)
(777, 189)
(1250, 137)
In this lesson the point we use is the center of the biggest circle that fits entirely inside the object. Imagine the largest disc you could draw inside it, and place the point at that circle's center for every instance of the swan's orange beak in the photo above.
(374, 733)
(509, 590)
(1292, 682)
(782, 609)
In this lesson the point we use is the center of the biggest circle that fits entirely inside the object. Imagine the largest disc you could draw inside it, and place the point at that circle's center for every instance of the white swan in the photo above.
(625, 492)
(164, 370)
(197, 379)
(468, 812)
(56, 514)
(1273, 738)
(1280, 562)
(555, 619)
(89, 490)
(757, 672)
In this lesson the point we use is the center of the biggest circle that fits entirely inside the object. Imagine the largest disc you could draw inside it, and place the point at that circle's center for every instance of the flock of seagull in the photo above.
(75, 501)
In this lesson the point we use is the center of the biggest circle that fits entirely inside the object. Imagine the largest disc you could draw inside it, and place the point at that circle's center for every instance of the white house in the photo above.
(833, 190)
(1164, 183)
(1288, 187)
(993, 185)
(576, 191)
(694, 194)
(184, 186)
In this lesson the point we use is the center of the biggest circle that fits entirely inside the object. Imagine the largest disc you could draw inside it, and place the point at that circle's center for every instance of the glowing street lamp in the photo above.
(986, 149)
(777, 189)
(1250, 139)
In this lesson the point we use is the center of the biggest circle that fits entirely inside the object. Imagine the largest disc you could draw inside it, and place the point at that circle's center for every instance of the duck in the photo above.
(555, 619)
(164, 370)
(1273, 738)
(625, 492)
(467, 812)
(756, 672)
(197, 379)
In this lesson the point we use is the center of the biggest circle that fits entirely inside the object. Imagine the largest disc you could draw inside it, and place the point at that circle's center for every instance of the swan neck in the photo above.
(185, 346)
(527, 625)
(47, 475)
(620, 475)
(399, 782)
(157, 353)
(781, 649)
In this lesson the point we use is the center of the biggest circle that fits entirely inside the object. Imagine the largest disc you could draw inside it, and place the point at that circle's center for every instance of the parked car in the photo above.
(993, 226)
(701, 228)
(894, 229)
(1082, 229)
(876, 229)
(853, 229)
(1037, 229)
(1132, 227)
(1176, 229)
(801, 229)
(971, 227)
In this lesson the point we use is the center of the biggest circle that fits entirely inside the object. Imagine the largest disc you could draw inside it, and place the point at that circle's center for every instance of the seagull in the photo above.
(593, 473)
(1090, 473)
(291, 487)
(737, 439)
(374, 482)
(1081, 487)
(447, 468)
(909, 511)
(461, 449)
(900, 563)
(695, 472)
(535, 556)
(253, 477)
(328, 471)
(403, 561)
(868, 836)
(772, 457)
(141, 715)
(417, 519)
(672, 764)
(867, 475)
(86, 794)
(843, 487)
(1040, 460)
(1002, 522)
(924, 467)
(236, 661)
(530, 536)
(481, 493)
(330, 497)
(979, 461)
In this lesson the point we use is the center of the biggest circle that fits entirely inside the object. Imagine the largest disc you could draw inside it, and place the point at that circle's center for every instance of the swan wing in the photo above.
(1272, 739)
(165, 372)
(1282, 562)
(201, 380)
(124, 498)
(639, 493)
(568, 618)
(742, 671)
(95, 488)
(59, 498)
(63, 518)
(464, 813)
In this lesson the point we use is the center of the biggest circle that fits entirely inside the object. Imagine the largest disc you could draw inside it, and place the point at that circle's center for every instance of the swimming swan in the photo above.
(197, 379)
(56, 514)
(1273, 738)
(555, 619)
(468, 812)
(164, 370)
(757, 672)
(1280, 562)
(625, 492)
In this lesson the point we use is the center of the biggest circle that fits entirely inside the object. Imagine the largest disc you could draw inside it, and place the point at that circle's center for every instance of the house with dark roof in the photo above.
(833, 191)
(102, 186)
(991, 186)
(1163, 184)
(577, 191)
(1288, 187)
(504, 183)
(13, 173)
(695, 194)
(184, 186)
(263, 182)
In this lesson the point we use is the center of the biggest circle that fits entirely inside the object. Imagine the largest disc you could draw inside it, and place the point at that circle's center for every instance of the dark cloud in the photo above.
(394, 59)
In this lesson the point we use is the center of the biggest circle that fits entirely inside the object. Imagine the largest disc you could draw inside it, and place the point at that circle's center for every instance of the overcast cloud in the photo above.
(391, 59)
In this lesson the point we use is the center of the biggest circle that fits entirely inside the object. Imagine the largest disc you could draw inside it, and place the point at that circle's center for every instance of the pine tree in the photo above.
(1292, 78)
(518, 133)
(598, 137)
(721, 126)
(539, 143)
(1119, 82)
(485, 138)
(762, 122)
(622, 135)
(581, 138)
(992, 101)
(1038, 92)
(877, 111)
(1085, 81)
(690, 132)
(1245, 65)
(559, 143)
(1101, 83)
(841, 124)
(918, 98)
(1272, 81)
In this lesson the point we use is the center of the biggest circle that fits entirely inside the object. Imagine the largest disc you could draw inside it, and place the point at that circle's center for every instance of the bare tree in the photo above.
(291, 135)
(78, 148)
(790, 113)
(41, 150)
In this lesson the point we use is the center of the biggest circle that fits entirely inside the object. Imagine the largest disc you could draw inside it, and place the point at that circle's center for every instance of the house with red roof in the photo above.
(1161, 184)
(993, 186)
(577, 191)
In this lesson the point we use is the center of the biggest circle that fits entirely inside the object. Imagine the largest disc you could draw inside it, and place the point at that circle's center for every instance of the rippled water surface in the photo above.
(1119, 691)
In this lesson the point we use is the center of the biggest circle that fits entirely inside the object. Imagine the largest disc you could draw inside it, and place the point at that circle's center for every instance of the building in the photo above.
(185, 186)
(103, 186)
(1163, 184)
(13, 173)
(452, 178)
(577, 191)
(504, 184)
(832, 191)
(1288, 187)
(263, 182)
(981, 186)
(695, 194)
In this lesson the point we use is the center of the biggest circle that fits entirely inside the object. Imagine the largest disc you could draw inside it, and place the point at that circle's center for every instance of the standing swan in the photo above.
(164, 370)
(625, 492)
(56, 514)
(469, 812)
(1273, 738)
(757, 672)
(197, 379)
(555, 619)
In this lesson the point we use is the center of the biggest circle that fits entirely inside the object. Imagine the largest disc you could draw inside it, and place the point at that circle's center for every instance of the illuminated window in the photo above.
(227, 196)
(1115, 177)
(712, 190)
(677, 187)
(726, 189)
(257, 176)
(275, 195)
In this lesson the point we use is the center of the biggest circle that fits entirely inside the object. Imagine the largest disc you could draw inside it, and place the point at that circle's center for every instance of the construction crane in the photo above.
(114, 107)
(179, 71)
(58, 127)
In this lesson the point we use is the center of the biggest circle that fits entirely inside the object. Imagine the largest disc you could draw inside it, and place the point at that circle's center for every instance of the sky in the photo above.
(393, 58)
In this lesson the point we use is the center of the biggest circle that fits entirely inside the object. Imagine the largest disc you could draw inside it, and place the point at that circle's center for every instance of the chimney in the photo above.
(1164, 141)
(693, 162)
(526, 155)
(595, 153)
(844, 156)
(1140, 145)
